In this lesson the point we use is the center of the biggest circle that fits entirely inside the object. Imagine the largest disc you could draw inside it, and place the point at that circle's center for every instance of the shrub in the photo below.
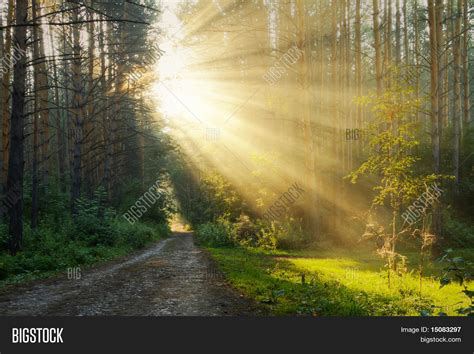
(47, 249)
(245, 232)
(458, 233)
(254, 234)
(266, 237)
(213, 234)
(136, 236)
(6, 264)
(289, 234)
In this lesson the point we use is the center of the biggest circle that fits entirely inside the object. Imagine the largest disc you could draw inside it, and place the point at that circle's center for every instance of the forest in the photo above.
(318, 154)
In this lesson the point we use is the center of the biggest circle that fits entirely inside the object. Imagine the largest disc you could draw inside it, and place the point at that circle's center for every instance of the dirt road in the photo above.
(173, 277)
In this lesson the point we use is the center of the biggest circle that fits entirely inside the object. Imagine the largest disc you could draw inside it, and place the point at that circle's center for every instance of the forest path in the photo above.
(172, 277)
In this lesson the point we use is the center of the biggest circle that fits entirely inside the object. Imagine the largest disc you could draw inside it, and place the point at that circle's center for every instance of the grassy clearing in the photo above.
(335, 283)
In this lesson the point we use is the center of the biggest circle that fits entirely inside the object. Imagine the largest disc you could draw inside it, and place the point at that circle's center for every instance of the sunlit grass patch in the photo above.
(334, 284)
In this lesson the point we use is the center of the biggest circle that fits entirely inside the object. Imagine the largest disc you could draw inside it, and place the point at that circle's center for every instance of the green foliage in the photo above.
(457, 269)
(214, 234)
(157, 213)
(92, 224)
(243, 232)
(391, 148)
(391, 159)
(137, 235)
(214, 198)
(458, 233)
(290, 234)
(47, 251)
(203, 197)
(286, 234)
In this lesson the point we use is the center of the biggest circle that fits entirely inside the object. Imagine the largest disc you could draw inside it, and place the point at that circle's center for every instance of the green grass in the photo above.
(337, 283)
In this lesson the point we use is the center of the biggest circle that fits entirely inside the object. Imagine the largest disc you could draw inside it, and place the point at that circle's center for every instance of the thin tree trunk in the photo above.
(435, 99)
(111, 125)
(417, 49)
(36, 113)
(5, 100)
(43, 103)
(89, 161)
(457, 91)
(388, 42)
(467, 102)
(2, 185)
(78, 114)
(398, 33)
(15, 161)
(434, 91)
(304, 44)
(439, 9)
(358, 66)
(378, 58)
(406, 48)
(60, 138)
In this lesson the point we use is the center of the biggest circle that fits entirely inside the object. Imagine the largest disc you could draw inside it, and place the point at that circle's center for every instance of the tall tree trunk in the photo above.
(435, 99)
(398, 33)
(467, 102)
(388, 42)
(441, 54)
(304, 45)
(2, 185)
(417, 54)
(434, 91)
(67, 99)
(378, 57)
(15, 161)
(36, 112)
(457, 90)
(89, 131)
(358, 66)
(60, 136)
(78, 110)
(5, 99)
(406, 47)
(111, 121)
(104, 92)
(43, 102)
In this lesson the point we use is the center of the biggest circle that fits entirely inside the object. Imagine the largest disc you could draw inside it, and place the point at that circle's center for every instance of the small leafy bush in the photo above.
(459, 270)
(214, 234)
(289, 234)
(245, 232)
(136, 236)
(254, 233)
(6, 265)
(458, 233)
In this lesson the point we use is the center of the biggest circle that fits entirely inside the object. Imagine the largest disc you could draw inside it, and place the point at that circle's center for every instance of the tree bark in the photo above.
(398, 33)
(467, 102)
(78, 110)
(15, 161)
(36, 113)
(434, 88)
(304, 45)
(5, 100)
(457, 90)
(378, 58)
